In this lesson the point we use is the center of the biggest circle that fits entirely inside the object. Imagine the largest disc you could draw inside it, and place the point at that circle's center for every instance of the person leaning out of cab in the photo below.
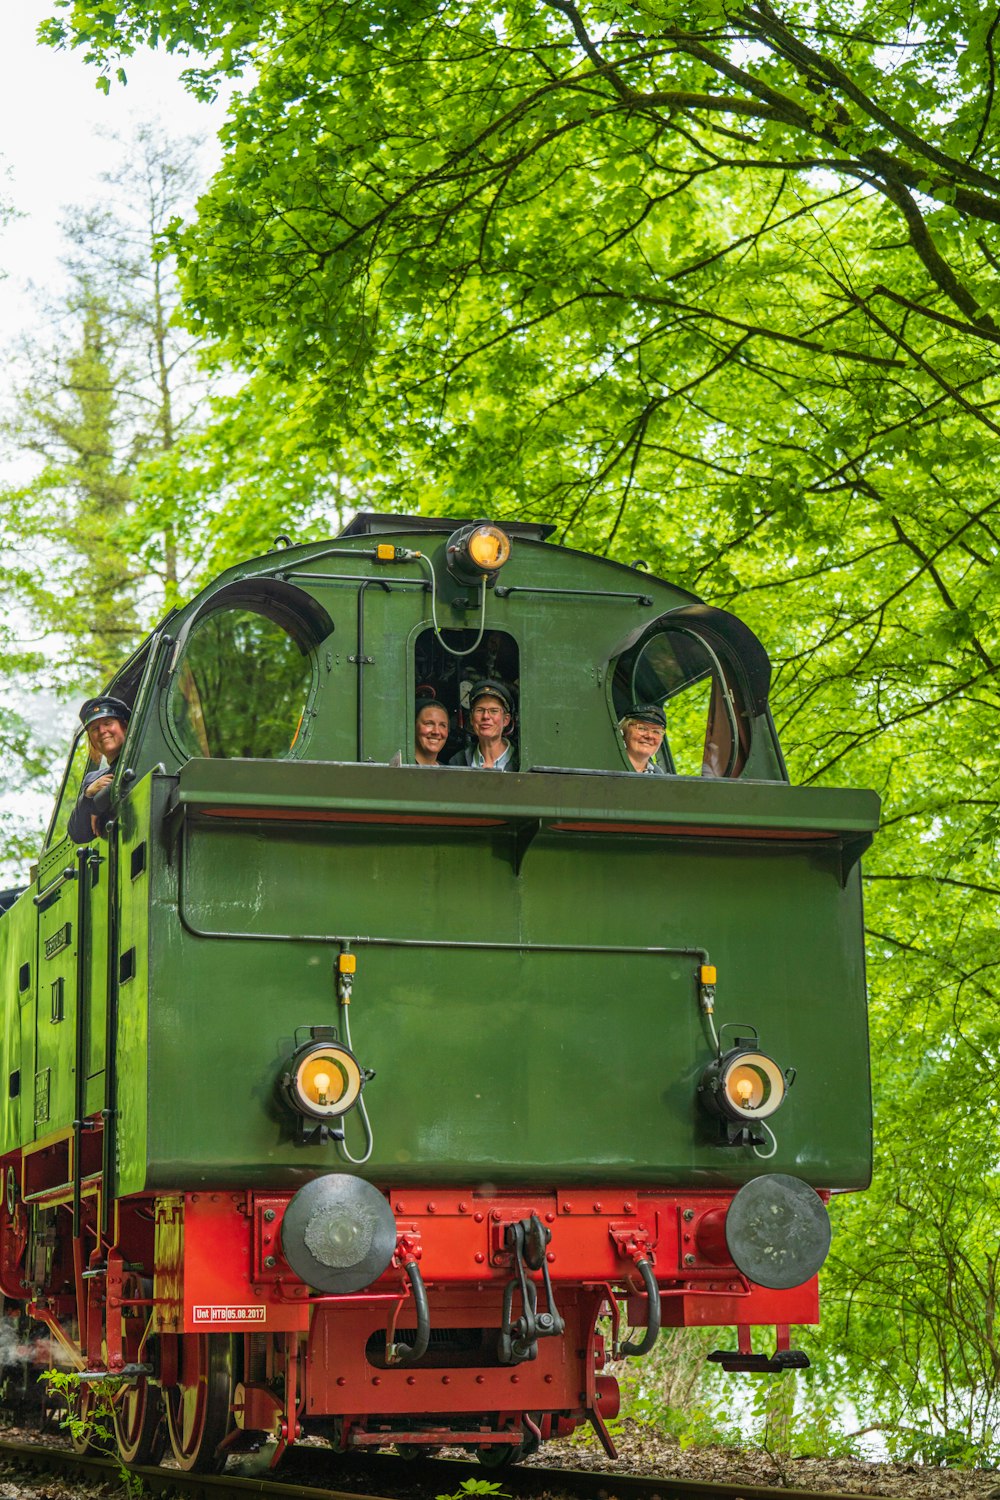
(105, 720)
(491, 714)
(642, 727)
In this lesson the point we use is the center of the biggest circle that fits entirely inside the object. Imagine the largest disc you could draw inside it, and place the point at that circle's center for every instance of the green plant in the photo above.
(671, 1391)
(944, 1447)
(476, 1487)
(90, 1423)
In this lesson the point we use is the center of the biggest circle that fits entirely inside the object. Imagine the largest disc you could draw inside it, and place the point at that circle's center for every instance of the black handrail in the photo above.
(86, 858)
(504, 591)
(109, 1112)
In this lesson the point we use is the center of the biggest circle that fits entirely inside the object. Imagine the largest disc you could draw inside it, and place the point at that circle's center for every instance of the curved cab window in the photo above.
(240, 688)
(706, 727)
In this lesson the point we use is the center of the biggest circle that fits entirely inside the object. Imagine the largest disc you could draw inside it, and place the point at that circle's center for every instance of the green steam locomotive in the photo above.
(348, 1099)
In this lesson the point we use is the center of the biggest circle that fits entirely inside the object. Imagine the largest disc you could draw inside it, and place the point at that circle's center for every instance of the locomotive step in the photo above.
(760, 1364)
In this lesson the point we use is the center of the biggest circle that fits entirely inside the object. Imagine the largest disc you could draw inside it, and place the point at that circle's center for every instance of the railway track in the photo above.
(386, 1477)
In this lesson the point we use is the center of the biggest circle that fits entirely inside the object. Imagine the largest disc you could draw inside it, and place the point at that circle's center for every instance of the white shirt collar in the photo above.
(498, 765)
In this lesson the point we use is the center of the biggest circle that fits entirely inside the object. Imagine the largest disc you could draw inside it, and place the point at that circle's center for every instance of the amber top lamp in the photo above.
(476, 553)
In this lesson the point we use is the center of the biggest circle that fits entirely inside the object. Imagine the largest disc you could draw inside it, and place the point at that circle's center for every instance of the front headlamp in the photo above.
(322, 1080)
(477, 552)
(741, 1087)
(749, 1085)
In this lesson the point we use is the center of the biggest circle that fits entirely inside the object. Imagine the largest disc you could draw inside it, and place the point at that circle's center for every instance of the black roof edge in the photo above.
(373, 523)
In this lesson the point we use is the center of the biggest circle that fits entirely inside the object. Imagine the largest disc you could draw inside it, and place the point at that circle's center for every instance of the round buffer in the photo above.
(338, 1233)
(778, 1231)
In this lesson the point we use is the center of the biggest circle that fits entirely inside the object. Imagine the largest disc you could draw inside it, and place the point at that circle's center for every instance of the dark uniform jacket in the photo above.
(78, 828)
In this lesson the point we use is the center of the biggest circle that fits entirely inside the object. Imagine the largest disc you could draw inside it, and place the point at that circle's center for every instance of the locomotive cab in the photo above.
(353, 1095)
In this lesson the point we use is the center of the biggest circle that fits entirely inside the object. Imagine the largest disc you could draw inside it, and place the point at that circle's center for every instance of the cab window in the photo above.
(678, 670)
(241, 686)
(442, 675)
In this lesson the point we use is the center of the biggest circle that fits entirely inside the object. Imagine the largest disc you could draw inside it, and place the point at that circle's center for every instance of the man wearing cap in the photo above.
(642, 728)
(106, 721)
(491, 713)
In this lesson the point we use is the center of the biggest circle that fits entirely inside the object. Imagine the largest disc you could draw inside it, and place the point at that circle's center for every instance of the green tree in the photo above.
(104, 384)
(415, 168)
(255, 467)
(19, 752)
(108, 385)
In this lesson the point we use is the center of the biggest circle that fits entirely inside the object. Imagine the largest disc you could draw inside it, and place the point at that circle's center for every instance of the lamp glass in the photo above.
(488, 548)
(327, 1081)
(753, 1085)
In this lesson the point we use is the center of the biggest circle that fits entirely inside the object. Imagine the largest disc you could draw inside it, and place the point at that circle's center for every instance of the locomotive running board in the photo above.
(559, 802)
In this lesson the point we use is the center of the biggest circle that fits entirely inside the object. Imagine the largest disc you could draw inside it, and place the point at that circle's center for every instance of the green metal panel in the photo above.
(39, 1021)
(564, 640)
(682, 801)
(52, 1028)
(17, 957)
(512, 1064)
(98, 892)
(55, 999)
(510, 995)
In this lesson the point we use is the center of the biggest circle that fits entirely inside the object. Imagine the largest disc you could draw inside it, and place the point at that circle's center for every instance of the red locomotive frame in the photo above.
(307, 1360)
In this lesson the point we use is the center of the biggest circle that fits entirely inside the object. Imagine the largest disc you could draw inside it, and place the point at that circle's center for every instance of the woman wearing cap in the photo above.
(642, 728)
(491, 713)
(430, 732)
(106, 722)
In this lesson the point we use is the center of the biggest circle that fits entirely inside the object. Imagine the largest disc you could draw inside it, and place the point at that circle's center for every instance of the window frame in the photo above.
(424, 628)
(48, 843)
(299, 614)
(740, 668)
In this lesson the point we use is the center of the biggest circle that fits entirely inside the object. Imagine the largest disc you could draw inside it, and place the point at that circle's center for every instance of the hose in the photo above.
(342, 1147)
(426, 562)
(405, 1354)
(766, 1155)
(653, 1317)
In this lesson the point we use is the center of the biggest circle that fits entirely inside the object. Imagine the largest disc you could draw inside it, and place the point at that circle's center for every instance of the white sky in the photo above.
(51, 152)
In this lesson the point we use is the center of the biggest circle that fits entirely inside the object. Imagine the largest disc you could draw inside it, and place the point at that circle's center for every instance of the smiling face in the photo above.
(431, 734)
(106, 737)
(489, 719)
(641, 740)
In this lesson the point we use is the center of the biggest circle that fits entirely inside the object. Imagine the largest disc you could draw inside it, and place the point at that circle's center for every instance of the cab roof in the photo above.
(369, 523)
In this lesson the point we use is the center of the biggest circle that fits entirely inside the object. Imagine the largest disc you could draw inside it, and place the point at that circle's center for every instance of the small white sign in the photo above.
(257, 1313)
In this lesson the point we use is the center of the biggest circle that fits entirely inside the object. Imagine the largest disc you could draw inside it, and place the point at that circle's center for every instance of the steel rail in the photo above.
(528, 1480)
(160, 1480)
(435, 1476)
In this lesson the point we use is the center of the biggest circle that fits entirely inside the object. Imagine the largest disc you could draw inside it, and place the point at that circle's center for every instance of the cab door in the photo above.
(71, 965)
(55, 990)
